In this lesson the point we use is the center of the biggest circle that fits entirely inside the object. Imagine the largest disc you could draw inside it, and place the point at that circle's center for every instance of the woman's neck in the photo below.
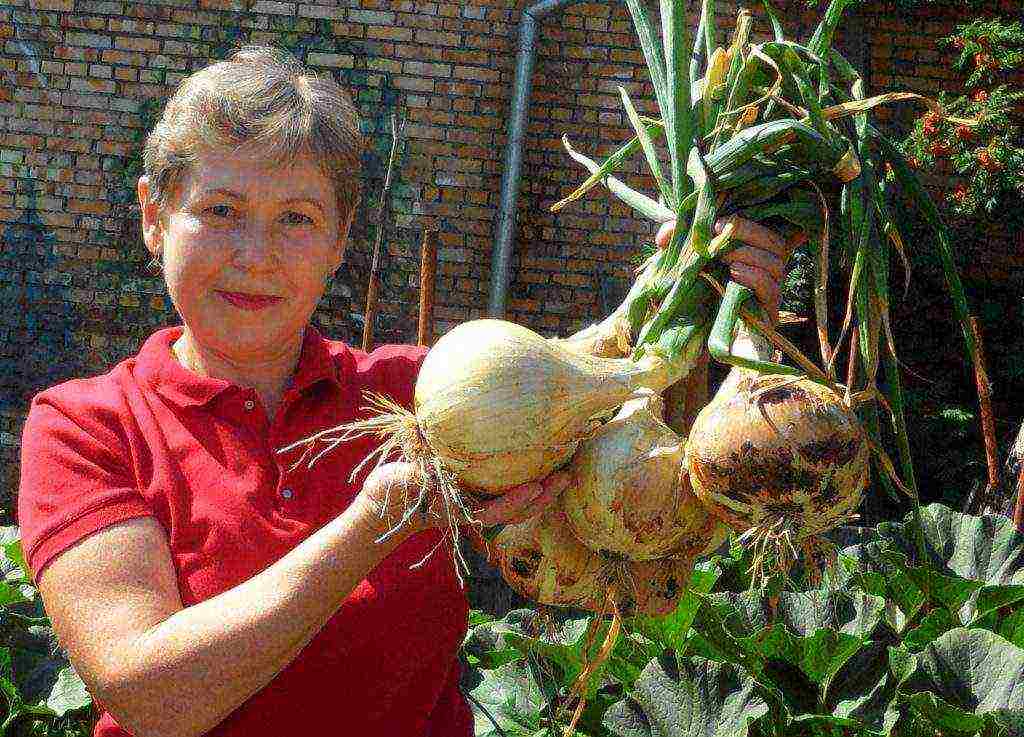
(267, 376)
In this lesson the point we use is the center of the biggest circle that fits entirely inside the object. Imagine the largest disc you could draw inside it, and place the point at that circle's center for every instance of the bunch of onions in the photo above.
(628, 525)
(781, 460)
(496, 406)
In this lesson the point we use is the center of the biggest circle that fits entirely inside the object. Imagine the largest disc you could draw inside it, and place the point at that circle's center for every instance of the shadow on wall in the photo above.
(37, 341)
(38, 347)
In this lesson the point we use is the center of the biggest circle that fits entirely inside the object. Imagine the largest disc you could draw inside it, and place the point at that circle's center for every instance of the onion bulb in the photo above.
(780, 460)
(542, 560)
(629, 494)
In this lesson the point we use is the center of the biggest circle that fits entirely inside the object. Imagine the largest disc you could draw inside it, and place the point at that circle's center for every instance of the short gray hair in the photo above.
(265, 98)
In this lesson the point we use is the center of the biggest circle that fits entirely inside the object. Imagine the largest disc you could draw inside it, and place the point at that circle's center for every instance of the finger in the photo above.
(758, 259)
(797, 239)
(664, 236)
(754, 234)
(558, 481)
(763, 286)
(509, 504)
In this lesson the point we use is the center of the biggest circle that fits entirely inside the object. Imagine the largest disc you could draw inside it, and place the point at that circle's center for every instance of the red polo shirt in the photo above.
(151, 439)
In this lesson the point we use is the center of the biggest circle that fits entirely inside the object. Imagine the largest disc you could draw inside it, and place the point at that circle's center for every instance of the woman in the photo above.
(200, 583)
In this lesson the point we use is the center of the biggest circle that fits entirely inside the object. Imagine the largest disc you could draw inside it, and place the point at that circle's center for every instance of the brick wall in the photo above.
(82, 80)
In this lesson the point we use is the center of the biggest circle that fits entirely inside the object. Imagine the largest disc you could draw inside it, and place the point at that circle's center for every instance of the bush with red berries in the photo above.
(983, 137)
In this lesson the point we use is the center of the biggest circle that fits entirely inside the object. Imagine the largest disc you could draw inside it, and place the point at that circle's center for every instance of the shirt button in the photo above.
(249, 404)
(286, 493)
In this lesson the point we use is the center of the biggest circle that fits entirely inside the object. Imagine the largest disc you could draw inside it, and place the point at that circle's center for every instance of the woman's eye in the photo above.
(297, 218)
(221, 211)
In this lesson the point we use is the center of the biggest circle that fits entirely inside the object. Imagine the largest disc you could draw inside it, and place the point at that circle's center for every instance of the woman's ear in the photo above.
(152, 233)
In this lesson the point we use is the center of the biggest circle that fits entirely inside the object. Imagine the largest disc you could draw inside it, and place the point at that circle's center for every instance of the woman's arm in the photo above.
(166, 670)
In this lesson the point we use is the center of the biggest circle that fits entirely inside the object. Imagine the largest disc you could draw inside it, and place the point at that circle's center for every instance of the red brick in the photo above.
(479, 74)
(133, 43)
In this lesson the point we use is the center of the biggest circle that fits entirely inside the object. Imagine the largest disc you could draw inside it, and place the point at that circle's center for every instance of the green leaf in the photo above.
(876, 572)
(48, 681)
(649, 151)
(968, 680)
(485, 647)
(11, 594)
(982, 557)
(679, 118)
(652, 54)
(670, 631)
(865, 690)
(13, 567)
(933, 624)
(506, 700)
(693, 698)
(720, 628)
(821, 41)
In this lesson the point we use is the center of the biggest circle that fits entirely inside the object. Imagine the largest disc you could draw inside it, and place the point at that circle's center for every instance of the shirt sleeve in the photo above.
(75, 481)
(392, 369)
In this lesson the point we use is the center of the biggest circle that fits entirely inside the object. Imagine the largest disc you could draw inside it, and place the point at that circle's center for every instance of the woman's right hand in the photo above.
(392, 488)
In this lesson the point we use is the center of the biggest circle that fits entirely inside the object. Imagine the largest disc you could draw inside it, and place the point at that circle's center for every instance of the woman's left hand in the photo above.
(522, 502)
(759, 264)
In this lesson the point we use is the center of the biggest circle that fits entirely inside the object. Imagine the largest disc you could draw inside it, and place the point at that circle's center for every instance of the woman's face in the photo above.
(247, 246)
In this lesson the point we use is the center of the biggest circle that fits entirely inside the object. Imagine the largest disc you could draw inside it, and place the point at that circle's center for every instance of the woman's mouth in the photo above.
(251, 302)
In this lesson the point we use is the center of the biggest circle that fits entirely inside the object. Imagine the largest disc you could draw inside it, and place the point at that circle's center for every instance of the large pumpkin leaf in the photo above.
(692, 698)
(816, 631)
(506, 700)
(874, 569)
(987, 548)
(968, 680)
(932, 625)
(974, 565)
(48, 681)
(484, 645)
(16, 585)
(567, 647)
(864, 690)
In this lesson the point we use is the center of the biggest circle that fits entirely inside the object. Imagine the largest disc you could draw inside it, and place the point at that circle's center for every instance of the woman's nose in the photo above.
(256, 247)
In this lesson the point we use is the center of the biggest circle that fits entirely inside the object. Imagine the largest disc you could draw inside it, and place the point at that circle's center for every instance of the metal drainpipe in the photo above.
(505, 226)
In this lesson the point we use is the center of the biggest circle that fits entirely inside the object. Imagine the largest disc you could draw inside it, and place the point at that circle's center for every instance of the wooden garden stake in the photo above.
(428, 272)
(373, 288)
(988, 425)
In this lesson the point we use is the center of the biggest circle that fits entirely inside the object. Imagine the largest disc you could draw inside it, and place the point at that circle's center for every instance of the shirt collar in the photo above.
(157, 366)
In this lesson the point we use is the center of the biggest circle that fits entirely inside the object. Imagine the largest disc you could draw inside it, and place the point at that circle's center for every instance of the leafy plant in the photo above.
(894, 642)
(39, 689)
(987, 158)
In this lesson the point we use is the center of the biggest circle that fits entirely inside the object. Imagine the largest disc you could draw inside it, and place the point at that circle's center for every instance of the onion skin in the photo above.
(630, 495)
(501, 406)
(654, 587)
(810, 473)
(542, 561)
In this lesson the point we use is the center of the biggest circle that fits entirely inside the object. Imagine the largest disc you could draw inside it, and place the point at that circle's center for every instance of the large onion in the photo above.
(780, 460)
(542, 560)
(499, 405)
(629, 494)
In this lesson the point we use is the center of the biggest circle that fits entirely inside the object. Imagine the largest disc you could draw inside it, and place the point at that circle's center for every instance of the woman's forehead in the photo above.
(252, 174)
